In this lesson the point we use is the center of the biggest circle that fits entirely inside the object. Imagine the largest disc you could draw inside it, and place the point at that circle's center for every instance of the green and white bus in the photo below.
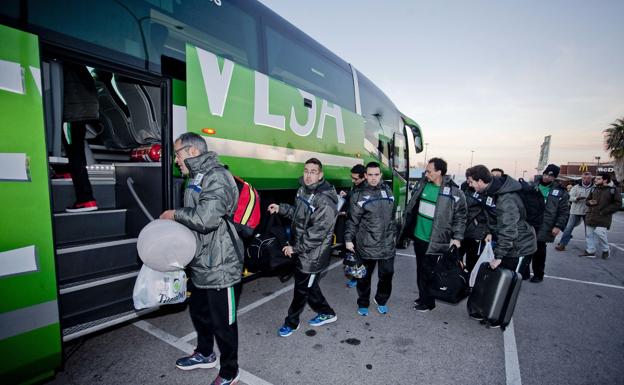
(264, 95)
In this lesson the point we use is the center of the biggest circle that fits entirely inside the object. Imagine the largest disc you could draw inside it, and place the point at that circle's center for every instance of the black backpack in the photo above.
(533, 203)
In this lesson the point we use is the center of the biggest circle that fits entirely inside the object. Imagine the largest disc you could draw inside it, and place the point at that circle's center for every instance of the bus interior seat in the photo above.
(114, 114)
(144, 108)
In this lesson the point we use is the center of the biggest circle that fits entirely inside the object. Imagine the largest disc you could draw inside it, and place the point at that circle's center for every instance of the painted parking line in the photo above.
(585, 282)
(187, 348)
(512, 364)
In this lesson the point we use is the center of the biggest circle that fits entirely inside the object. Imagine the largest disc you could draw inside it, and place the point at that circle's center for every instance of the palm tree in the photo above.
(614, 143)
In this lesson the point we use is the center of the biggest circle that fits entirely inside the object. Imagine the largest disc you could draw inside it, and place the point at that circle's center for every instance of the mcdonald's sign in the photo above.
(583, 168)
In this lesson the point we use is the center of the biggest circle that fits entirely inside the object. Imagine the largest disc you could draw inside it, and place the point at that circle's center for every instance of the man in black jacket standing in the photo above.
(313, 217)
(515, 237)
(371, 234)
(556, 212)
(435, 218)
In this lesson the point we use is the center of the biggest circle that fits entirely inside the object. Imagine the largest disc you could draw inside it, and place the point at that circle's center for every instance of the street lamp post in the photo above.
(597, 161)
(523, 172)
(471, 156)
(458, 170)
(425, 162)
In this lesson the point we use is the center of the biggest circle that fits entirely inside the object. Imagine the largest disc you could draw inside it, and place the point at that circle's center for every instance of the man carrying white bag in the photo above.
(497, 283)
(165, 247)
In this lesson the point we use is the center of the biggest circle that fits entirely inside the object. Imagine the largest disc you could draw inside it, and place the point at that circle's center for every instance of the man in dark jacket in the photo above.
(80, 106)
(313, 217)
(371, 235)
(603, 201)
(216, 269)
(555, 217)
(435, 218)
(480, 220)
(515, 238)
(358, 173)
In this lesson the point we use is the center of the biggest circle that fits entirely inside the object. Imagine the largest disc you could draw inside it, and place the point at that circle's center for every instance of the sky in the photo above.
(493, 77)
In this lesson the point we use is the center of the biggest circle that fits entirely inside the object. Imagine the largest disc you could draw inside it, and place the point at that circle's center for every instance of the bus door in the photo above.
(400, 173)
(30, 336)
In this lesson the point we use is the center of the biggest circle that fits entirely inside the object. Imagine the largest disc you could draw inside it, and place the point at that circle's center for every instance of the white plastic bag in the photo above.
(487, 255)
(154, 288)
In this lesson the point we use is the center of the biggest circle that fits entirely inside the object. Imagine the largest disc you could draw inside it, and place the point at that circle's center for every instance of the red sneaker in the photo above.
(79, 207)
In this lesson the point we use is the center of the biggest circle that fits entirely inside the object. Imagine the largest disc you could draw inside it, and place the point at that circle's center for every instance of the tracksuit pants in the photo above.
(472, 248)
(213, 312)
(538, 261)
(307, 290)
(425, 265)
(385, 271)
(78, 161)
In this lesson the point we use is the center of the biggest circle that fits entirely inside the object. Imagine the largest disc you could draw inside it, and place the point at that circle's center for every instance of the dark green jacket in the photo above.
(370, 225)
(449, 220)
(609, 202)
(216, 264)
(514, 236)
(556, 211)
(313, 217)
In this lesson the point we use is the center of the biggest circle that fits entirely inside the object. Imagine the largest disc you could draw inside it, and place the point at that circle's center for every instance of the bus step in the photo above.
(87, 328)
(93, 260)
(87, 226)
(92, 300)
(63, 194)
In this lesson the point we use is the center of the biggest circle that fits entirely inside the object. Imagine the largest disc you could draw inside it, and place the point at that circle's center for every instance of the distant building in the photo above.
(574, 170)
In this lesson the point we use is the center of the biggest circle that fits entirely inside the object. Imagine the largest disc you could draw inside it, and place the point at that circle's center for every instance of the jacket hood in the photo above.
(321, 187)
(202, 163)
(503, 184)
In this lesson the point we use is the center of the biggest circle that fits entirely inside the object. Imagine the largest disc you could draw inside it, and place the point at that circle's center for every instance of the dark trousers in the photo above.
(425, 264)
(307, 290)
(539, 260)
(472, 248)
(385, 271)
(78, 161)
(213, 312)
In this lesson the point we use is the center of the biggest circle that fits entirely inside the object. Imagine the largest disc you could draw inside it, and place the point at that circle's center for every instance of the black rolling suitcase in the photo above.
(494, 294)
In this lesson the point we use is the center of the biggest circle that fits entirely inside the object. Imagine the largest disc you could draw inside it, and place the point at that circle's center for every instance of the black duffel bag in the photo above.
(264, 252)
(450, 278)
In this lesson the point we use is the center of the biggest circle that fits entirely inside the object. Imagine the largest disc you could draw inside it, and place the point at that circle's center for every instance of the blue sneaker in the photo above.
(222, 381)
(363, 311)
(285, 331)
(322, 319)
(197, 361)
(382, 309)
(352, 283)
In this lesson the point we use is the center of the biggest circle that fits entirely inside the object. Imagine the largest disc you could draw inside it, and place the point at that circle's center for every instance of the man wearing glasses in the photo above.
(313, 216)
(215, 270)
(435, 220)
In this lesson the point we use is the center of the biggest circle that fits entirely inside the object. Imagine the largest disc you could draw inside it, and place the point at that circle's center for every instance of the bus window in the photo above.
(224, 29)
(146, 30)
(399, 155)
(379, 112)
(302, 67)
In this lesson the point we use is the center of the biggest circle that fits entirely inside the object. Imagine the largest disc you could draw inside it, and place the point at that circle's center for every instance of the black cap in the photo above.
(552, 170)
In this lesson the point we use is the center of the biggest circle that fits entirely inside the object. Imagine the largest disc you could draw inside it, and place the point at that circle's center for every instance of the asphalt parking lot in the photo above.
(566, 330)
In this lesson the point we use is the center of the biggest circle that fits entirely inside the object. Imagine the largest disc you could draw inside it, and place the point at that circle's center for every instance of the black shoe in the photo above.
(536, 279)
(477, 317)
(424, 308)
(417, 301)
(605, 254)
